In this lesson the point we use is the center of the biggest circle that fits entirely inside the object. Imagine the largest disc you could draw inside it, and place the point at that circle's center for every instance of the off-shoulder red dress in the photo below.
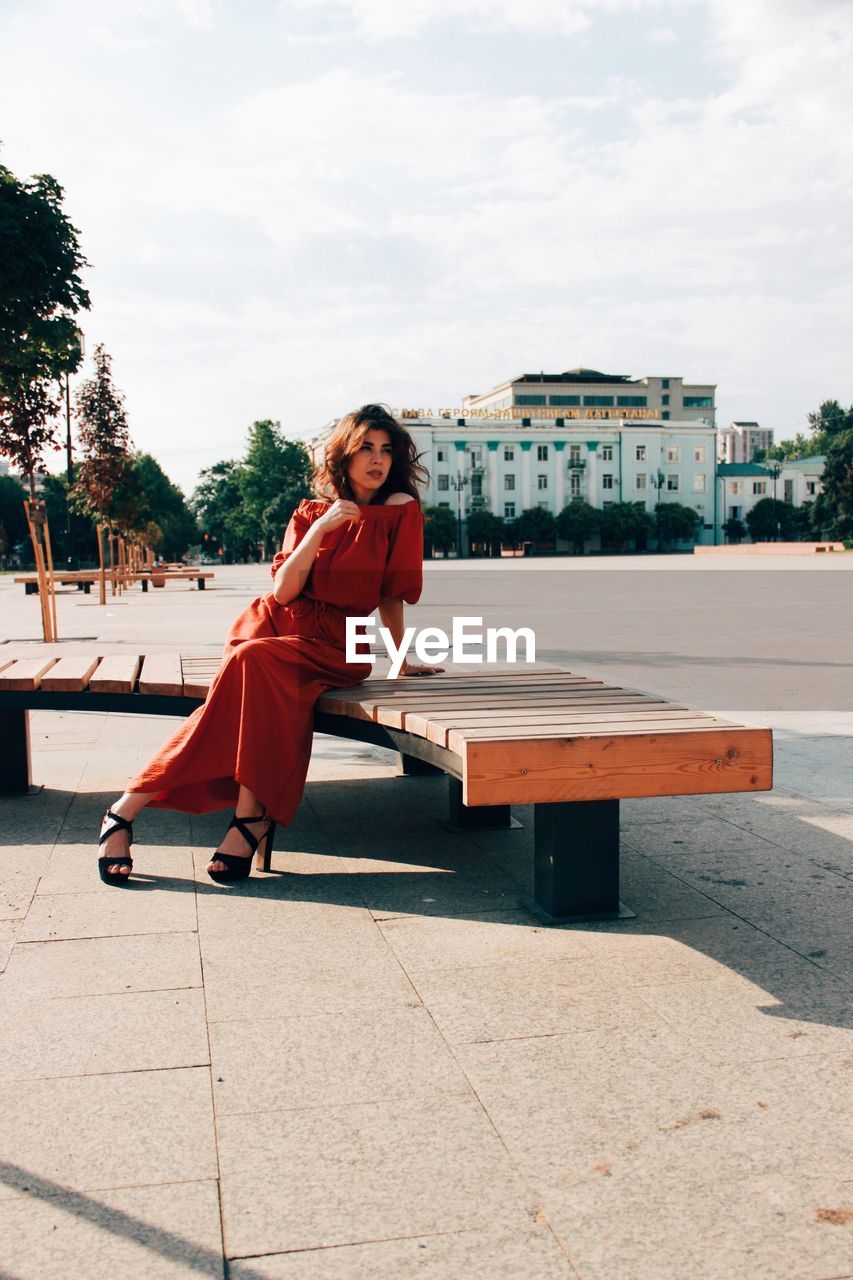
(255, 726)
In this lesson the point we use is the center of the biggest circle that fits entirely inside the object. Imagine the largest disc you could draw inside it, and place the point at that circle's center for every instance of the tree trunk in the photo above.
(102, 585)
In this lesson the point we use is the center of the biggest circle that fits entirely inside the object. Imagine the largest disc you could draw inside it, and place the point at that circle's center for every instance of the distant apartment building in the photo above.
(739, 441)
(584, 394)
(741, 485)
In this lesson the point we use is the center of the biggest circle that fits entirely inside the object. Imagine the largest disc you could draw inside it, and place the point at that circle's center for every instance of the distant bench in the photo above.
(84, 578)
(569, 745)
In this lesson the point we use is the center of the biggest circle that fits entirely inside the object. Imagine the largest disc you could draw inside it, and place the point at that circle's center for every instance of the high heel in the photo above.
(125, 860)
(237, 867)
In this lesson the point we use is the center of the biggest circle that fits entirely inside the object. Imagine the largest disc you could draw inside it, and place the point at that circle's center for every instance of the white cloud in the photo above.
(661, 35)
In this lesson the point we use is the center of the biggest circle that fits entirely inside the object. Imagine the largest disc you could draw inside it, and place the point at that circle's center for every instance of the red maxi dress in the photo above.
(256, 724)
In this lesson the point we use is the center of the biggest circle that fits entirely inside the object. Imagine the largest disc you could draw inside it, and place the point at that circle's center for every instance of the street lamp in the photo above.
(458, 483)
(774, 470)
(657, 481)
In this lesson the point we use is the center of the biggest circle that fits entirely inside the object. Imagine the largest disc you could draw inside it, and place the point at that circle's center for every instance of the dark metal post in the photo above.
(576, 859)
(15, 759)
(482, 818)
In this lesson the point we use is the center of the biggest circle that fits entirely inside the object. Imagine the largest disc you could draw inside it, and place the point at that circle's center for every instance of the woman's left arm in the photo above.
(391, 616)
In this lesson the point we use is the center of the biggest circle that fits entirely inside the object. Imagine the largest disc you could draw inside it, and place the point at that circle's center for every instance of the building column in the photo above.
(559, 475)
(592, 473)
(494, 445)
(525, 474)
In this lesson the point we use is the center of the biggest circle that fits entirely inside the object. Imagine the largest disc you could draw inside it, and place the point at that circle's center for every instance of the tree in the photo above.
(486, 530)
(770, 519)
(105, 445)
(217, 503)
(833, 507)
(578, 522)
(440, 528)
(624, 521)
(534, 525)
(274, 477)
(13, 526)
(734, 529)
(676, 523)
(163, 505)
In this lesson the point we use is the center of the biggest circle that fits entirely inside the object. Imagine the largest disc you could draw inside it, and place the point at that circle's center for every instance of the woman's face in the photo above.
(369, 466)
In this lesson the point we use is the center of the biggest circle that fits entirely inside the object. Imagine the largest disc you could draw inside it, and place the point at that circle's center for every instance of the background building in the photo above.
(738, 441)
(743, 484)
(587, 393)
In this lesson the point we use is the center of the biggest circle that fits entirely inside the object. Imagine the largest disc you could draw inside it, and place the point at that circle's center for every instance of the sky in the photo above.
(293, 207)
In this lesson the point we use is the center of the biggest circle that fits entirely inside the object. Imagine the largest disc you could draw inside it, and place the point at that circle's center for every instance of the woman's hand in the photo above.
(340, 512)
(416, 669)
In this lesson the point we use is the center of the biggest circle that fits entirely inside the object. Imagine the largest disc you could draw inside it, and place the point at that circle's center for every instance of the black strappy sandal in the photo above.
(239, 868)
(124, 860)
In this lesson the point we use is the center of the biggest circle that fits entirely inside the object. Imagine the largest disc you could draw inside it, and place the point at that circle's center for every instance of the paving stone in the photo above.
(526, 998)
(490, 1254)
(90, 1035)
(8, 934)
(267, 903)
(345, 1175)
(143, 907)
(159, 1232)
(101, 966)
(812, 1098)
(331, 1060)
(498, 937)
(73, 868)
(20, 871)
(90, 1132)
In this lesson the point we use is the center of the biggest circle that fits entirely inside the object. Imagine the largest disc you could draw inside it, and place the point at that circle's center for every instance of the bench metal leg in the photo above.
(31, 588)
(144, 584)
(493, 817)
(201, 584)
(15, 757)
(87, 588)
(417, 768)
(576, 860)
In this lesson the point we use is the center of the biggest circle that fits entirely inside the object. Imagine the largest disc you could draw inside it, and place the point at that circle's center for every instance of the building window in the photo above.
(476, 486)
(607, 480)
(673, 453)
(565, 400)
(736, 487)
(541, 453)
(509, 454)
(509, 511)
(477, 456)
(605, 505)
(734, 512)
(633, 402)
(789, 491)
(575, 486)
(440, 455)
(672, 484)
(600, 401)
(699, 483)
(640, 480)
(443, 483)
(444, 504)
(665, 414)
(509, 482)
(699, 453)
(574, 455)
(665, 398)
(665, 383)
(811, 488)
(639, 453)
(759, 486)
(607, 453)
(542, 482)
(530, 400)
(698, 402)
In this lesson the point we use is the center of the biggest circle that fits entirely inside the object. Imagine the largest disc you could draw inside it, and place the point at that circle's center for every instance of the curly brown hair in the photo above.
(331, 479)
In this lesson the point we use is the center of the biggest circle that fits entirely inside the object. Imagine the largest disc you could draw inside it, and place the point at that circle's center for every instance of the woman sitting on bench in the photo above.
(357, 547)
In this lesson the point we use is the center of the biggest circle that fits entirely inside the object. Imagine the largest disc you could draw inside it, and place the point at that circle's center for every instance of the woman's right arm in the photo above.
(290, 579)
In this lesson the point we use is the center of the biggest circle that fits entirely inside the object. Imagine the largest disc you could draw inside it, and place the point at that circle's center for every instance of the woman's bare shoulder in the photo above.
(398, 499)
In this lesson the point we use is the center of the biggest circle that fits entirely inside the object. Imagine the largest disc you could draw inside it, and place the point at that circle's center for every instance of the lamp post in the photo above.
(458, 483)
(774, 470)
(657, 481)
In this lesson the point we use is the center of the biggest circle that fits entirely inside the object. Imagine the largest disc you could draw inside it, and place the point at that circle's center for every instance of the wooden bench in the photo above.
(84, 578)
(570, 746)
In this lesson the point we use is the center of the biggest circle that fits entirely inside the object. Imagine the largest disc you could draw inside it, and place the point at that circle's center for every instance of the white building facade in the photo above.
(739, 440)
(741, 485)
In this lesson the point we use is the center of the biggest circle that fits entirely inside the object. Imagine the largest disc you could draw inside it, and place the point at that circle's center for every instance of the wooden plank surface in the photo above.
(161, 674)
(115, 674)
(344, 701)
(512, 708)
(439, 733)
(6, 662)
(25, 674)
(198, 674)
(71, 674)
(604, 767)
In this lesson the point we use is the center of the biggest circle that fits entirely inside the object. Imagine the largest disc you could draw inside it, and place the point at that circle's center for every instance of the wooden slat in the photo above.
(161, 673)
(116, 674)
(407, 718)
(25, 674)
(7, 662)
(605, 767)
(71, 674)
(198, 675)
(344, 701)
(439, 732)
(579, 729)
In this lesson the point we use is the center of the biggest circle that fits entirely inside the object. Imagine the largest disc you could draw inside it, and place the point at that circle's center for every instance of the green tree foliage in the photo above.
(83, 543)
(578, 522)
(28, 424)
(535, 525)
(217, 504)
(440, 528)
(770, 520)
(105, 446)
(275, 475)
(163, 504)
(734, 529)
(676, 523)
(833, 507)
(40, 286)
(13, 526)
(624, 522)
(486, 530)
(827, 424)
